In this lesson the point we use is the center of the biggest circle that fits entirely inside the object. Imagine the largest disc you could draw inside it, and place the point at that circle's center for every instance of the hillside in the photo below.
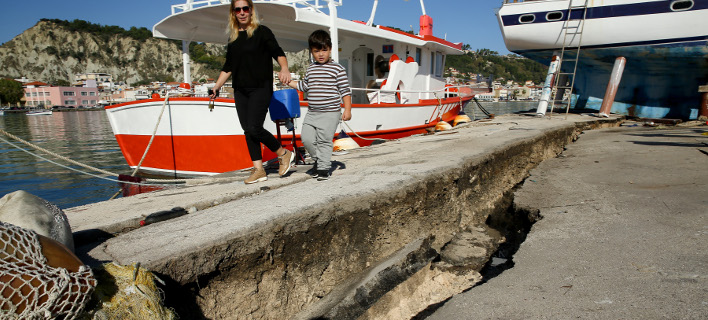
(54, 51)
(509, 67)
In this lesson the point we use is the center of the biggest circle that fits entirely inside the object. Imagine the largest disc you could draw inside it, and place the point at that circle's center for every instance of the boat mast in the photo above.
(186, 62)
(333, 29)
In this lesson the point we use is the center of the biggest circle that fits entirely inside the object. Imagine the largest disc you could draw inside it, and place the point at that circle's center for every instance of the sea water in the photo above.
(83, 136)
(86, 137)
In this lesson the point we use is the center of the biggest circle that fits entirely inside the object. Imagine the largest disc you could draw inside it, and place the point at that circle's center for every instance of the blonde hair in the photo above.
(233, 21)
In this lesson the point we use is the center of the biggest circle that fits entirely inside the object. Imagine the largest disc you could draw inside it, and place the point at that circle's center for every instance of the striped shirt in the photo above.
(326, 85)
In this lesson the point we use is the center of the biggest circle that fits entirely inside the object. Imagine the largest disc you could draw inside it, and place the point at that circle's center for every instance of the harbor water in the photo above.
(86, 137)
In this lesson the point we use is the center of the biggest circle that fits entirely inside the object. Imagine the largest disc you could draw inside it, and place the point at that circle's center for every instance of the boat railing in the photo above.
(195, 4)
(378, 96)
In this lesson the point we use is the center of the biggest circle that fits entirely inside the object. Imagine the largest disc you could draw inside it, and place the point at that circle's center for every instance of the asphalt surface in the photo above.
(624, 233)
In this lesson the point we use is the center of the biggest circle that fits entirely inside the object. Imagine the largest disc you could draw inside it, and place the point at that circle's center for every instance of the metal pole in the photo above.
(333, 30)
(612, 86)
(186, 63)
(546, 91)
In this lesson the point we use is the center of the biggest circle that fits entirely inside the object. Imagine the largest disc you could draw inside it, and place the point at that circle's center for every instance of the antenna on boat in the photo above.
(373, 13)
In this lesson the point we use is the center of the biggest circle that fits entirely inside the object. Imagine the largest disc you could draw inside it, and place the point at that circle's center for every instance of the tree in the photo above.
(11, 91)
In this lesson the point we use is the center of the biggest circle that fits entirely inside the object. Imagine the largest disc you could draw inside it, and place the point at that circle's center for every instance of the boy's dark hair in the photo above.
(319, 39)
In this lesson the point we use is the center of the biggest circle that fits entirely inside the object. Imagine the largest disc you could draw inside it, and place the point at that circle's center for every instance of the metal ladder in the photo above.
(564, 81)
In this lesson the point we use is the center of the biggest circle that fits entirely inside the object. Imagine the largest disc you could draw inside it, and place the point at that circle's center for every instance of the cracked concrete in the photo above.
(624, 233)
(273, 249)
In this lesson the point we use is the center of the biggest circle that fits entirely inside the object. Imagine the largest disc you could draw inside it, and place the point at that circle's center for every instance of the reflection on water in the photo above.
(84, 136)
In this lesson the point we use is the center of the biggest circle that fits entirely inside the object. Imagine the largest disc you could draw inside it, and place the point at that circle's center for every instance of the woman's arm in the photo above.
(223, 76)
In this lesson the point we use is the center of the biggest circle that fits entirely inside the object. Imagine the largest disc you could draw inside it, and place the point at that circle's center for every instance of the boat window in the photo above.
(432, 63)
(527, 18)
(370, 64)
(418, 55)
(681, 5)
(554, 16)
(439, 63)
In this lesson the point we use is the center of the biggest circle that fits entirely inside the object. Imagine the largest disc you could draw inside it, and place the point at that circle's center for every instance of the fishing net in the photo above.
(128, 292)
(30, 288)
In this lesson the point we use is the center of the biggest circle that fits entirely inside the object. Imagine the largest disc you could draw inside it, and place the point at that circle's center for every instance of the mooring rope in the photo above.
(72, 161)
(150, 182)
(360, 137)
(51, 153)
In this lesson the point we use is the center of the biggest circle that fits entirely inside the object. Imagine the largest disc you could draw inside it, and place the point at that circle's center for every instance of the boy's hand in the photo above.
(346, 115)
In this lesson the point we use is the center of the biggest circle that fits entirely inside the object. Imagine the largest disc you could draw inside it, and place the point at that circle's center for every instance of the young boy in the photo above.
(328, 87)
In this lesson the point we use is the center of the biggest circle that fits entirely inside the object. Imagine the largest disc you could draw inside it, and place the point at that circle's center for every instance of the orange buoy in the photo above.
(442, 126)
(461, 118)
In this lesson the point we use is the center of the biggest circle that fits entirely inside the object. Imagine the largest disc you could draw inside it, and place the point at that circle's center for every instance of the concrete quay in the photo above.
(379, 235)
(624, 233)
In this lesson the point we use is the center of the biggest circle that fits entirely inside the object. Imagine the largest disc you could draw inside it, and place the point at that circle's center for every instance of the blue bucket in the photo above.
(285, 104)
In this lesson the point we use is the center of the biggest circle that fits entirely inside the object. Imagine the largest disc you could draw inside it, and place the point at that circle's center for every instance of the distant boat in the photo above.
(665, 44)
(39, 112)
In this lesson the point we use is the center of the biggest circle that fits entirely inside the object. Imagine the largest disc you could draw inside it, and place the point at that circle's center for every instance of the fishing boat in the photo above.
(664, 45)
(396, 77)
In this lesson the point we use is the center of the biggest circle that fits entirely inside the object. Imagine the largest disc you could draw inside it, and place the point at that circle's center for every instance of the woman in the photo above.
(248, 59)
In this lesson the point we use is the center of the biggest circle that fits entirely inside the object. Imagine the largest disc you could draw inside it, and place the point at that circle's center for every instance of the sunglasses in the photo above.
(245, 9)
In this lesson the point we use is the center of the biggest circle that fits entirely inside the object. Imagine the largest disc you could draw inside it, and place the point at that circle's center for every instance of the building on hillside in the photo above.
(40, 94)
(104, 80)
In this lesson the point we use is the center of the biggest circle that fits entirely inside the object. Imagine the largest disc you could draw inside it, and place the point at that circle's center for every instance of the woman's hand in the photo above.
(213, 94)
(284, 76)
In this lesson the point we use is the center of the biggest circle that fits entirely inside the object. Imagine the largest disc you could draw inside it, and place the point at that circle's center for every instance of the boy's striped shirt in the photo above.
(326, 85)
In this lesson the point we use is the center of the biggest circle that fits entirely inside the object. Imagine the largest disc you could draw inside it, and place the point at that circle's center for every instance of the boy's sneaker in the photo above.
(286, 161)
(312, 172)
(256, 176)
(322, 175)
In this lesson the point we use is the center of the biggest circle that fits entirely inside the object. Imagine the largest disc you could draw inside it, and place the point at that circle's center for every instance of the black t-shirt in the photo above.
(249, 59)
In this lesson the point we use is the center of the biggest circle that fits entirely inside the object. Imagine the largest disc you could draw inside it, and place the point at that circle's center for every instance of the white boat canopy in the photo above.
(290, 20)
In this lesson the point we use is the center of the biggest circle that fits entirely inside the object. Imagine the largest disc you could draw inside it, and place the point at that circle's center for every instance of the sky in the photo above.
(471, 22)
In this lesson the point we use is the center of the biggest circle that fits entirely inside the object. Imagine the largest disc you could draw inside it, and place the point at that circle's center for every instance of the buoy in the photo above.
(461, 118)
(156, 96)
(41, 278)
(344, 142)
(442, 126)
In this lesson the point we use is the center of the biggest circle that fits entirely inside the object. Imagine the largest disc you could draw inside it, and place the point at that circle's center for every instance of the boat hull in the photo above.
(191, 140)
(666, 52)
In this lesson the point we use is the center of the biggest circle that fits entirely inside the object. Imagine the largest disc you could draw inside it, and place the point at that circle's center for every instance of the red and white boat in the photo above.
(190, 139)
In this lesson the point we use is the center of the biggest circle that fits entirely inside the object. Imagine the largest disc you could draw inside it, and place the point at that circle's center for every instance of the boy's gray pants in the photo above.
(317, 134)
